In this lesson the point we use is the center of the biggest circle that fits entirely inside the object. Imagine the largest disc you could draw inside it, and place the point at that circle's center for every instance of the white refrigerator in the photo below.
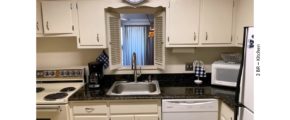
(245, 98)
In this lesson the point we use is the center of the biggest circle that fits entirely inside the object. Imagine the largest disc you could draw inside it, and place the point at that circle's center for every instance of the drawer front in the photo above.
(90, 118)
(90, 109)
(131, 108)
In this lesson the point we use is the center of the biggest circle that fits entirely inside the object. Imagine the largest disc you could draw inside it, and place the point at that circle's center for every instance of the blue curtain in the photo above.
(134, 40)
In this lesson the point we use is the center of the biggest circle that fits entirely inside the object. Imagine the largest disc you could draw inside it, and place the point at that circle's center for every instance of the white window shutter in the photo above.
(159, 40)
(114, 39)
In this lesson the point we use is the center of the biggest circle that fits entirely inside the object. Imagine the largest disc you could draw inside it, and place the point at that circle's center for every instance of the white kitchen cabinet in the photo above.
(245, 17)
(134, 117)
(90, 118)
(146, 117)
(39, 29)
(183, 23)
(90, 111)
(226, 113)
(135, 110)
(216, 22)
(57, 17)
(122, 117)
(92, 27)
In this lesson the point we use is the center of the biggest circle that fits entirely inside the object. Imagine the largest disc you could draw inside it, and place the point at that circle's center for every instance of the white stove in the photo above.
(53, 89)
(46, 89)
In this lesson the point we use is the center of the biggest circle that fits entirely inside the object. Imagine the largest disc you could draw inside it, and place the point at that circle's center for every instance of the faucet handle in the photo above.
(149, 78)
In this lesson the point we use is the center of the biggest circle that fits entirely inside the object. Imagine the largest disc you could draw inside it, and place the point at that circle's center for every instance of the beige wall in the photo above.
(207, 54)
(63, 52)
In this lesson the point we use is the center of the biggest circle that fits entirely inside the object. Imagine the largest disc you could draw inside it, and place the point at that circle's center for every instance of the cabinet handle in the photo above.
(89, 109)
(194, 36)
(47, 27)
(168, 39)
(98, 37)
(37, 26)
(205, 35)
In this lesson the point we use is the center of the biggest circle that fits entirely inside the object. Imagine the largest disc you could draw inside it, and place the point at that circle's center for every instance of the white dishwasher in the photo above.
(189, 109)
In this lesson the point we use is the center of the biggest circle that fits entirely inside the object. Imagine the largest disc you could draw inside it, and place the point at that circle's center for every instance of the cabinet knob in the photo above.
(89, 109)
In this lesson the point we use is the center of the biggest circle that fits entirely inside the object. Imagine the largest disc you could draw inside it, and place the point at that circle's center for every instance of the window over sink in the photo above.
(140, 30)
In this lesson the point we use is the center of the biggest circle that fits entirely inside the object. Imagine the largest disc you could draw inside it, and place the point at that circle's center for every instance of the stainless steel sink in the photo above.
(120, 88)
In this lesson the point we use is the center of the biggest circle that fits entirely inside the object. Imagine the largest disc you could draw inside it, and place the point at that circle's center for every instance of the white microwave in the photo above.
(224, 74)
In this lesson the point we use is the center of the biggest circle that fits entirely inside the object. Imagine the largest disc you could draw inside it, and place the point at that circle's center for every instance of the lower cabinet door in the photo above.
(90, 118)
(146, 117)
(122, 117)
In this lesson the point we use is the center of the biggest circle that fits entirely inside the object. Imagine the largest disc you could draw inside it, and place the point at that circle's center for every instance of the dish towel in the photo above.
(104, 58)
(199, 69)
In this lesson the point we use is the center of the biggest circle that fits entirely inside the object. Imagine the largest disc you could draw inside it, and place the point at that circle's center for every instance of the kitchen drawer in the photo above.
(91, 118)
(131, 108)
(90, 108)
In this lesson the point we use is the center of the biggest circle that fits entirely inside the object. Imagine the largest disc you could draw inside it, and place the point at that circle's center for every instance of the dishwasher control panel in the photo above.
(189, 105)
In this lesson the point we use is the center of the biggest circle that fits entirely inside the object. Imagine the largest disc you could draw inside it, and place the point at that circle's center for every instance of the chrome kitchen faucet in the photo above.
(134, 67)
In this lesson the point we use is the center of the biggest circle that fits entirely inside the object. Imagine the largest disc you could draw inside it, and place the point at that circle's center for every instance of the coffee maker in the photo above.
(96, 75)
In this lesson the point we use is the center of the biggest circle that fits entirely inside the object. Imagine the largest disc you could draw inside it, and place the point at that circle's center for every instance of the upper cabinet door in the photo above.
(39, 29)
(216, 21)
(245, 18)
(57, 17)
(183, 23)
(92, 24)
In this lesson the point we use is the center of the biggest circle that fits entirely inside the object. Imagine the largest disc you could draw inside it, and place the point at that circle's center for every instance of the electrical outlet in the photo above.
(188, 67)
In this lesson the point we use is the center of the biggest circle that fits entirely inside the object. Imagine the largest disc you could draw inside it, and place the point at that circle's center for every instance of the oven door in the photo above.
(52, 112)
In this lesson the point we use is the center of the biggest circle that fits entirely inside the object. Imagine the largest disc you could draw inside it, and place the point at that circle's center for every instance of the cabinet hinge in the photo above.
(73, 28)
(77, 5)
(71, 6)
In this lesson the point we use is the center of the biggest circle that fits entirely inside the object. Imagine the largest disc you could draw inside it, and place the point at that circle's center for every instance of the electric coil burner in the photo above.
(68, 89)
(53, 89)
(55, 96)
(39, 89)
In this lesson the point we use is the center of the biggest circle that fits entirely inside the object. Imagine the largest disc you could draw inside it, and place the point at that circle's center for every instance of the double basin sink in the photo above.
(123, 88)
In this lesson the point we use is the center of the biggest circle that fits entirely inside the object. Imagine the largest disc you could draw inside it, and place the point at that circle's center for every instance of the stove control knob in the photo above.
(52, 73)
(60, 73)
(66, 73)
(71, 73)
(77, 72)
(46, 74)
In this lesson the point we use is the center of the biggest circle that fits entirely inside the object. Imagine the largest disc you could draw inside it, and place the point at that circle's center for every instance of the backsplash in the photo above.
(184, 80)
(63, 52)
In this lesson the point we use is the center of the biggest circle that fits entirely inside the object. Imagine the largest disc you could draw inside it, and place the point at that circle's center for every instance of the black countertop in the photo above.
(227, 95)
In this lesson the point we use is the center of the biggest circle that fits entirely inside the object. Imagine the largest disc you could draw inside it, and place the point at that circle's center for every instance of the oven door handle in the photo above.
(49, 108)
